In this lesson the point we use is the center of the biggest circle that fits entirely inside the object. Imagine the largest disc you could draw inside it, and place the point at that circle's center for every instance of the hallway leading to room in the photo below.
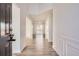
(39, 45)
(35, 31)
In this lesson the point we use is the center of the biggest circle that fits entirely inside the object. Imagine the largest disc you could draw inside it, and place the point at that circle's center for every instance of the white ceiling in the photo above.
(34, 10)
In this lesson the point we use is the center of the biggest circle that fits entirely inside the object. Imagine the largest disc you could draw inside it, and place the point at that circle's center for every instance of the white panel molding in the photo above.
(67, 43)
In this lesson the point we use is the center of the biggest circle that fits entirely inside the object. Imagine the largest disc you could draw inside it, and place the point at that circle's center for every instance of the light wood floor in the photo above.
(33, 50)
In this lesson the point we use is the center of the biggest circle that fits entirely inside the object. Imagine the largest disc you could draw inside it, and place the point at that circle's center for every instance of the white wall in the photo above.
(22, 29)
(16, 28)
(65, 28)
(29, 28)
(19, 28)
(49, 28)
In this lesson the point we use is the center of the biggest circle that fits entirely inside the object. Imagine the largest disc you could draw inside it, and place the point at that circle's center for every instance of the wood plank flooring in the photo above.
(33, 50)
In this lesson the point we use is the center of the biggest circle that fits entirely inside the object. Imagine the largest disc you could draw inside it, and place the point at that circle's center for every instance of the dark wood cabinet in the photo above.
(5, 29)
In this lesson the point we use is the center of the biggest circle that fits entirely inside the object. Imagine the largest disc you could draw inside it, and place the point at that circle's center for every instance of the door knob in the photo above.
(12, 40)
(11, 37)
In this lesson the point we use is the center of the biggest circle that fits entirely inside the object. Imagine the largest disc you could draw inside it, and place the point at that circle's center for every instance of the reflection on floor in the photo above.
(35, 49)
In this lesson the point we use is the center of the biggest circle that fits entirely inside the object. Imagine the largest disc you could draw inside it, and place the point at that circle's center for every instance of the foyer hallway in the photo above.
(58, 23)
(33, 48)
